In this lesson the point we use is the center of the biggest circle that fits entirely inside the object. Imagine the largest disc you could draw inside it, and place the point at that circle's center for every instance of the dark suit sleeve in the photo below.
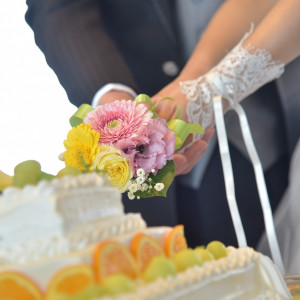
(73, 39)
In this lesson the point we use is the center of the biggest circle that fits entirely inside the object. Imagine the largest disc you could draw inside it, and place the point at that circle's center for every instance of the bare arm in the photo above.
(279, 31)
(277, 26)
(224, 31)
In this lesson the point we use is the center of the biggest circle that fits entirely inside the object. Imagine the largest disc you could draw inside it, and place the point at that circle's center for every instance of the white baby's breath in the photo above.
(140, 172)
(140, 179)
(61, 157)
(159, 186)
(145, 187)
(130, 195)
(133, 188)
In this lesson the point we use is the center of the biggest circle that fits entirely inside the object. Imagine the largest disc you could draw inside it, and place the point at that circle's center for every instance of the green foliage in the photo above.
(165, 176)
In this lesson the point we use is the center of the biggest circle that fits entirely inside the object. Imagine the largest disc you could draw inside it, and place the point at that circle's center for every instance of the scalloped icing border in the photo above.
(81, 238)
(185, 284)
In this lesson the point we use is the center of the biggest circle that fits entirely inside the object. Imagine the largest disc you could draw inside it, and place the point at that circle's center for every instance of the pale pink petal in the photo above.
(126, 117)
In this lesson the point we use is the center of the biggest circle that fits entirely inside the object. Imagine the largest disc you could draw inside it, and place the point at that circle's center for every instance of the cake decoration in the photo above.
(91, 250)
(241, 274)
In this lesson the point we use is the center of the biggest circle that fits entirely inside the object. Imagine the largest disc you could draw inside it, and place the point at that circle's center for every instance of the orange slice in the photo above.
(144, 248)
(70, 281)
(175, 241)
(15, 286)
(112, 257)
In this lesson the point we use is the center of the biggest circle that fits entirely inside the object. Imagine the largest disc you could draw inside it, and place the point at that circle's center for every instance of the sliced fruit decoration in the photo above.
(144, 248)
(15, 286)
(70, 281)
(175, 241)
(112, 257)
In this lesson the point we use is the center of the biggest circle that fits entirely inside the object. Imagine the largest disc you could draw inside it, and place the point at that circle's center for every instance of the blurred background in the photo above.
(34, 108)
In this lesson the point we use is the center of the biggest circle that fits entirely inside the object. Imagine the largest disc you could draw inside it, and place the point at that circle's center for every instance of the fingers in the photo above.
(179, 161)
(209, 132)
(186, 161)
(166, 109)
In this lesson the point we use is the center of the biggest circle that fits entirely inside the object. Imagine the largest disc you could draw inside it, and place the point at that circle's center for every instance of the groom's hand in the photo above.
(112, 96)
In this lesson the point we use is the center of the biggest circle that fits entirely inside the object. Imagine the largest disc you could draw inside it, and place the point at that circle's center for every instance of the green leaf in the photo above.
(80, 114)
(165, 176)
(182, 130)
(196, 128)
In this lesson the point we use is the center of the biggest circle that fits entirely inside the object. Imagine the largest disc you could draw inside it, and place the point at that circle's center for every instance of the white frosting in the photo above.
(86, 235)
(243, 275)
(56, 224)
(60, 216)
(42, 271)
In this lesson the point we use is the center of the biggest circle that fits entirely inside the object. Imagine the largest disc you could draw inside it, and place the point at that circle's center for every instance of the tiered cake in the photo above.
(70, 239)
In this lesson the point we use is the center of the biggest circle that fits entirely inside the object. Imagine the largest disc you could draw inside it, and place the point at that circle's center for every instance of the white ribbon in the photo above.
(259, 176)
(262, 189)
(228, 173)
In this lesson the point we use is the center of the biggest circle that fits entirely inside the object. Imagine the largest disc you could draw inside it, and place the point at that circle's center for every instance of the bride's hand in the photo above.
(184, 162)
(167, 109)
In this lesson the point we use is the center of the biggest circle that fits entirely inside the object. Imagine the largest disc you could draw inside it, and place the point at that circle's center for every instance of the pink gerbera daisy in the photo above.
(118, 120)
(150, 150)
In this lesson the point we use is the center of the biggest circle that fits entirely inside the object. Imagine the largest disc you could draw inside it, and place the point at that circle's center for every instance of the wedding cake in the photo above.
(70, 239)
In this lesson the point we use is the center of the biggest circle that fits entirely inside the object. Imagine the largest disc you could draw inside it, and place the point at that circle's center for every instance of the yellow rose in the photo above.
(115, 166)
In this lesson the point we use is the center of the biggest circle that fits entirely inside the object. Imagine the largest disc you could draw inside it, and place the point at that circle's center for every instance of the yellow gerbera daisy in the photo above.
(81, 147)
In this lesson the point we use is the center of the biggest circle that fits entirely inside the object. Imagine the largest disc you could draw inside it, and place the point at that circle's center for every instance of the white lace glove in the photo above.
(239, 74)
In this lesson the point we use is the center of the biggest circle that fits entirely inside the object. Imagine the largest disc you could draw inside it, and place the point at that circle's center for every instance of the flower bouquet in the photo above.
(128, 143)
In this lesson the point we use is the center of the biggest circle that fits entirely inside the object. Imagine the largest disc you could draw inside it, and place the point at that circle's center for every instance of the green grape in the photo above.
(67, 171)
(217, 249)
(90, 293)
(26, 172)
(21, 179)
(159, 266)
(5, 180)
(45, 176)
(186, 258)
(30, 166)
(118, 284)
(205, 254)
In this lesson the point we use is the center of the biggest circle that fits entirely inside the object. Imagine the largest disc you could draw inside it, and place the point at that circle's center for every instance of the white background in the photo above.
(34, 108)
